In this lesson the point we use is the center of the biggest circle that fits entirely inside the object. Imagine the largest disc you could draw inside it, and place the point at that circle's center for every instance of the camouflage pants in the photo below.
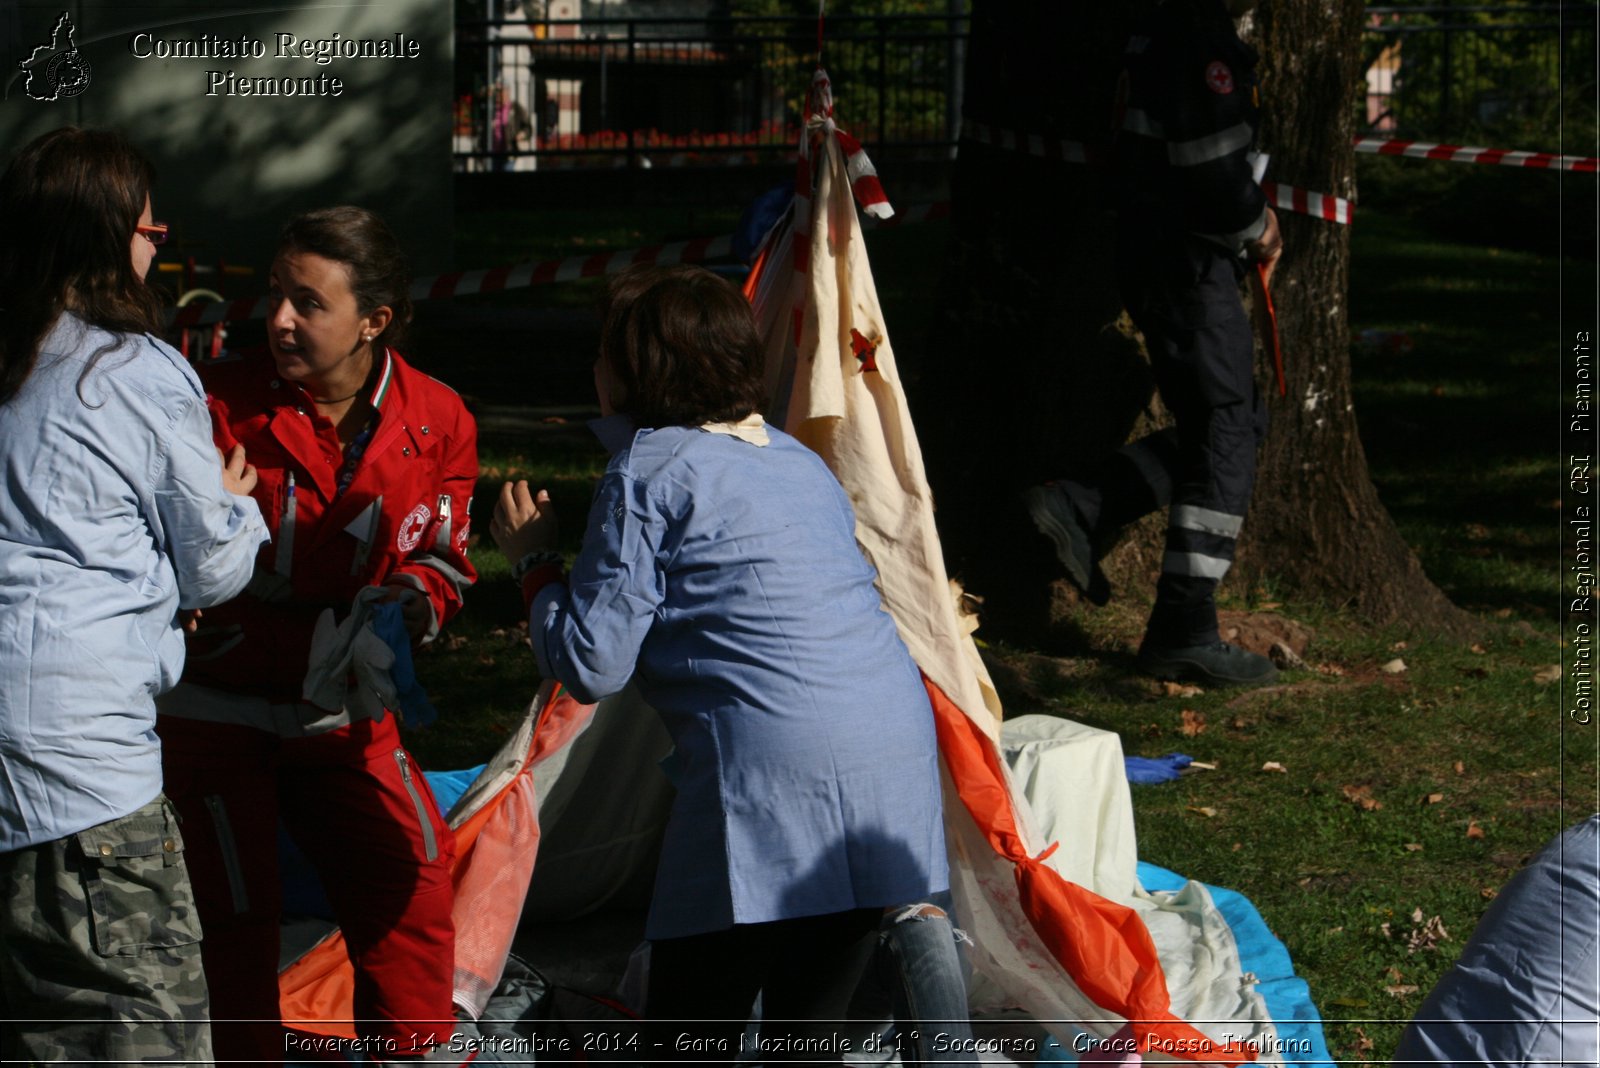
(102, 947)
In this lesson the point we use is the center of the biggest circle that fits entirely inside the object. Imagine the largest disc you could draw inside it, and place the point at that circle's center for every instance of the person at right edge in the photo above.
(1190, 218)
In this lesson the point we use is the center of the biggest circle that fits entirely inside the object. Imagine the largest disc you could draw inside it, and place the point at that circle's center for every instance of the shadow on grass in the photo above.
(1459, 415)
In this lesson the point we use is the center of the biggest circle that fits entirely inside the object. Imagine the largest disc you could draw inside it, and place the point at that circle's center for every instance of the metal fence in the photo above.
(1454, 72)
(535, 94)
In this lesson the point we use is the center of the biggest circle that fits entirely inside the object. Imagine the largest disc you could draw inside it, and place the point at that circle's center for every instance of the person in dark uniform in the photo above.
(1191, 216)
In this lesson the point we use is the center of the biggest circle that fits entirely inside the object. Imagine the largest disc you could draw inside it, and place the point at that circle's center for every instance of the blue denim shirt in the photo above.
(725, 579)
(113, 517)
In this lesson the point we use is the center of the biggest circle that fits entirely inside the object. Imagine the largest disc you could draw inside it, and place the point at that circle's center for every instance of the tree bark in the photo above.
(1315, 523)
(1034, 373)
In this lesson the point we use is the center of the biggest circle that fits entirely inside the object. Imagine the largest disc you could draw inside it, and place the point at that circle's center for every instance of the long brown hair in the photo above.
(682, 345)
(363, 242)
(70, 201)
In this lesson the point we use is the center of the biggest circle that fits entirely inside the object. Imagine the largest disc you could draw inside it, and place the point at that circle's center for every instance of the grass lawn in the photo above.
(1401, 800)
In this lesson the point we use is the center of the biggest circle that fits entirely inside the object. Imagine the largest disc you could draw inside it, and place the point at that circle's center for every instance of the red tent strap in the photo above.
(1270, 324)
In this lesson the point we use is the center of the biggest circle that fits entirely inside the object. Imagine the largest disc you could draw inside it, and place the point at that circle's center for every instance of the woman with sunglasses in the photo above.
(117, 518)
(367, 471)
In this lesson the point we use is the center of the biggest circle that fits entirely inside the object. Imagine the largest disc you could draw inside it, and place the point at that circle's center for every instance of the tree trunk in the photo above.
(1315, 522)
(1034, 373)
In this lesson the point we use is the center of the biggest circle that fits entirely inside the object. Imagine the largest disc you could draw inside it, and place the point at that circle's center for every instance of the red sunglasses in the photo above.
(155, 233)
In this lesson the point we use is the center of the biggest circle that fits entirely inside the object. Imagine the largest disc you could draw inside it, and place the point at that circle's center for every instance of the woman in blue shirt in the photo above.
(116, 518)
(720, 572)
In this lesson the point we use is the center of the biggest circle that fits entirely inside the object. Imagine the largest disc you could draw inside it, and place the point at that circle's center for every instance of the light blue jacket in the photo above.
(112, 518)
(806, 764)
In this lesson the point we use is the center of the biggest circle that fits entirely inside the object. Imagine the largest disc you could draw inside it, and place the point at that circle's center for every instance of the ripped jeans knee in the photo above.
(918, 982)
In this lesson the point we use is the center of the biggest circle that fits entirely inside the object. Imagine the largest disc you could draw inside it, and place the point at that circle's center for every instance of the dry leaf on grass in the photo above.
(1473, 830)
(1193, 723)
(1427, 935)
(1361, 796)
(1284, 657)
(1460, 768)
(1433, 799)
(1545, 676)
(1398, 647)
(1400, 990)
(1413, 847)
(1478, 649)
(1393, 667)
(1273, 765)
(1330, 669)
(1488, 893)
(1362, 1044)
(1204, 810)
(1181, 689)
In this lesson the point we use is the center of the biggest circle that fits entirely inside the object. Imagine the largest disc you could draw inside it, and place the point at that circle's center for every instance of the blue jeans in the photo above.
(917, 980)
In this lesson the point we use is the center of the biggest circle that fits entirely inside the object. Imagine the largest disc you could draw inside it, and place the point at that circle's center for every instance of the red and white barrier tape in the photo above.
(1317, 205)
(1382, 146)
(1283, 197)
(1033, 144)
(1288, 197)
(492, 280)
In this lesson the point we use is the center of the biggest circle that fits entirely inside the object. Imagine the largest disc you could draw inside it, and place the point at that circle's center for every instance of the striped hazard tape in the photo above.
(1033, 144)
(1288, 197)
(495, 279)
(1382, 146)
(1283, 197)
(1319, 205)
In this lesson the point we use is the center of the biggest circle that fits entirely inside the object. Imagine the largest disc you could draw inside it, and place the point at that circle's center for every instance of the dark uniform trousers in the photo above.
(1183, 294)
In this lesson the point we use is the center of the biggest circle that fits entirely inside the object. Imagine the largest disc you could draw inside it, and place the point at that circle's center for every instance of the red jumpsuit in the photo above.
(242, 751)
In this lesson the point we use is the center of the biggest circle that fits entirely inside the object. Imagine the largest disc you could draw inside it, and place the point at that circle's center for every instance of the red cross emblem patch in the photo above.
(865, 351)
(1219, 79)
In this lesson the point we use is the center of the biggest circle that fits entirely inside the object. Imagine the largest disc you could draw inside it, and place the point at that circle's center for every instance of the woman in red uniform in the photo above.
(366, 473)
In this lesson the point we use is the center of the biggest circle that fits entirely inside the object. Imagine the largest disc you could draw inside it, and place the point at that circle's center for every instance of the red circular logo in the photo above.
(1219, 79)
(411, 530)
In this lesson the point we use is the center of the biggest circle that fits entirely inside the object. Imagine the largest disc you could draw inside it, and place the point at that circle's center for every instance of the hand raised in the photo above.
(238, 477)
(524, 522)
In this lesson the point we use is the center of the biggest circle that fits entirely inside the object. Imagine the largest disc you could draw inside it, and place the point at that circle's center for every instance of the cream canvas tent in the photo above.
(1046, 888)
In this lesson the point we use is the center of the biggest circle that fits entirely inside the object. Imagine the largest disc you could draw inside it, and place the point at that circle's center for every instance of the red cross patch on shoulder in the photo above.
(1219, 79)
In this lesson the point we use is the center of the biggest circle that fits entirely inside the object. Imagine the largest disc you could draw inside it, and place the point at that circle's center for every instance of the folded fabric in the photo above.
(388, 623)
(1144, 771)
(354, 650)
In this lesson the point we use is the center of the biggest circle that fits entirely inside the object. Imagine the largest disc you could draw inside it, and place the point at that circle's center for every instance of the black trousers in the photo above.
(702, 987)
(1183, 294)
